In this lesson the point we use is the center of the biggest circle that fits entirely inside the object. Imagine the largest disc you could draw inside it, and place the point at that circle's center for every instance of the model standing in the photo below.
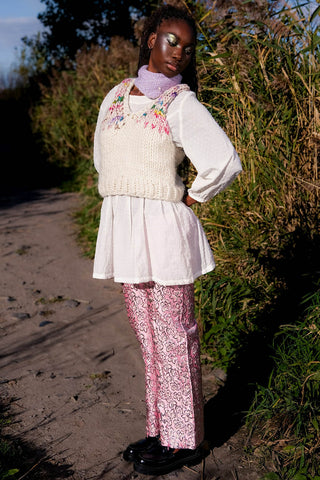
(149, 239)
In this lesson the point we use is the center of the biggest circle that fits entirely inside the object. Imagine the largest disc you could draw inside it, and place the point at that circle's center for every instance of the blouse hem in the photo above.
(102, 276)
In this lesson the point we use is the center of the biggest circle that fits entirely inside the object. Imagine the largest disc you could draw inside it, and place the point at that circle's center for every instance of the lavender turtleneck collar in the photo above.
(154, 84)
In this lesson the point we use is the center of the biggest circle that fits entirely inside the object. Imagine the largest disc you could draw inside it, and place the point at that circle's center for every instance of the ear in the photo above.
(151, 40)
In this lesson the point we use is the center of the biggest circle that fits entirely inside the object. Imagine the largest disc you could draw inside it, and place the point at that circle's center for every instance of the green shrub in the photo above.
(288, 408)
(260, 78)
(65, 117)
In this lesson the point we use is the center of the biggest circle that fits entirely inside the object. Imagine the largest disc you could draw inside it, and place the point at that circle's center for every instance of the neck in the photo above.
(136, 92)
(154, 84)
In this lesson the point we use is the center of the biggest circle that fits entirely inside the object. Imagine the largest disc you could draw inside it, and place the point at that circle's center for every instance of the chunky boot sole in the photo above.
(163, 469)
(133, 451)
(129, 456)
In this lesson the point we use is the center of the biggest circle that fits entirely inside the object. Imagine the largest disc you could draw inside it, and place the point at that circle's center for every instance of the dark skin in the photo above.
(171, 48)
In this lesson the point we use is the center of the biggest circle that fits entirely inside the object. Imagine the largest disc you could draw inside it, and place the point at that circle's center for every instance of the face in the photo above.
(172, 47)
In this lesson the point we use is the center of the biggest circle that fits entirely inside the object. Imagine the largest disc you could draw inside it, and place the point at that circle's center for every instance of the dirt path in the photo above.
(68, 358)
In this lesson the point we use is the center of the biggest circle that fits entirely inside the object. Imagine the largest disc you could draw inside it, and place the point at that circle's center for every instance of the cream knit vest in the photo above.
(138, 156)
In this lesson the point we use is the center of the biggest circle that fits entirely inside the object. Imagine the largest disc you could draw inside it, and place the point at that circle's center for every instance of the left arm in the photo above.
(206, 145)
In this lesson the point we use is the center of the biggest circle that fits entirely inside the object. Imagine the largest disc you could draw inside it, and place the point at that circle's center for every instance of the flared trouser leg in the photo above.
(163, 320)
(138, 305)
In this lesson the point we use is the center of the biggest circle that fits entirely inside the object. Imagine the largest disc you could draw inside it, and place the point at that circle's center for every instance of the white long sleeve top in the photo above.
(141, 239)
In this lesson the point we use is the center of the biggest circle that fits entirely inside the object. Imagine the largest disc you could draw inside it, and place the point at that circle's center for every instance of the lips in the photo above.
(173, 67)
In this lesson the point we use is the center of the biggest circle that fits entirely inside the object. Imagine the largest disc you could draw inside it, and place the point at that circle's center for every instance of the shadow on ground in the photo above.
(23, 168)
(31, 462)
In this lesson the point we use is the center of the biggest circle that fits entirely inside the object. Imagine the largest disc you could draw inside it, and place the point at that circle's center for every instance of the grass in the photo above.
(288, 406)
(8, 452)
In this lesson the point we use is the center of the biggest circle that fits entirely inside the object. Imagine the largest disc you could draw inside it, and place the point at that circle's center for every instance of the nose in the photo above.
(177, 52)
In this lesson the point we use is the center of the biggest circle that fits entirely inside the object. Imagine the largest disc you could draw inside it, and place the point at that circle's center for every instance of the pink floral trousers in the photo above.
(162, 318)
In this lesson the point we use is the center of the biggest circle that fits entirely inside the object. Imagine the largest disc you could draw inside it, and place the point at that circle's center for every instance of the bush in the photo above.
(66, 116)
(288, 408)
(260, 79)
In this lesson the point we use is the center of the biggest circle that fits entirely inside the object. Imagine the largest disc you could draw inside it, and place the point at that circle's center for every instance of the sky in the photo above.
(18, 18)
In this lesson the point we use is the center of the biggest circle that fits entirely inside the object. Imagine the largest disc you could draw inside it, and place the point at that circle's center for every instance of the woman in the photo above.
(149, 240)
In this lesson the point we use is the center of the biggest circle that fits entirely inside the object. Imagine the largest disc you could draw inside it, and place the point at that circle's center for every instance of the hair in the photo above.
(169, 12)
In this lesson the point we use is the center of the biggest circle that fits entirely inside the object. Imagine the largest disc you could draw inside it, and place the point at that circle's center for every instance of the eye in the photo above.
(189, 50)
(172, 40)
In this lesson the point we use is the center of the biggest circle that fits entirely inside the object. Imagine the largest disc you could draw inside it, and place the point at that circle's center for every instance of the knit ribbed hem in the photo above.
(152, 192)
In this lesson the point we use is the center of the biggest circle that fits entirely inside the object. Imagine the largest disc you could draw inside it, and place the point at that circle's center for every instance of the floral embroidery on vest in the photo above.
(154, 117)
(115, 113)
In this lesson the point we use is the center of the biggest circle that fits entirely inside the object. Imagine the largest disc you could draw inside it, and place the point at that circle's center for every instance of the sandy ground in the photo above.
(69, 362)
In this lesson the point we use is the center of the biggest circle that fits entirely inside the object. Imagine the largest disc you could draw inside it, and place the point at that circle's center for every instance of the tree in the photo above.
(72, 24)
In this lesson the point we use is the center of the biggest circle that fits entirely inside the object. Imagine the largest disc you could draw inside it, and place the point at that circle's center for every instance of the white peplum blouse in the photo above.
(142, 240)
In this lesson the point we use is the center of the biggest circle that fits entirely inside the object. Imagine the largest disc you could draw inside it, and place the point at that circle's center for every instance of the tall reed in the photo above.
(260, 79)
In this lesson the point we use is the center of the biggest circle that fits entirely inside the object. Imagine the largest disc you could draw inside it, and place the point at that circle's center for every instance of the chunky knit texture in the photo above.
(138, 155)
